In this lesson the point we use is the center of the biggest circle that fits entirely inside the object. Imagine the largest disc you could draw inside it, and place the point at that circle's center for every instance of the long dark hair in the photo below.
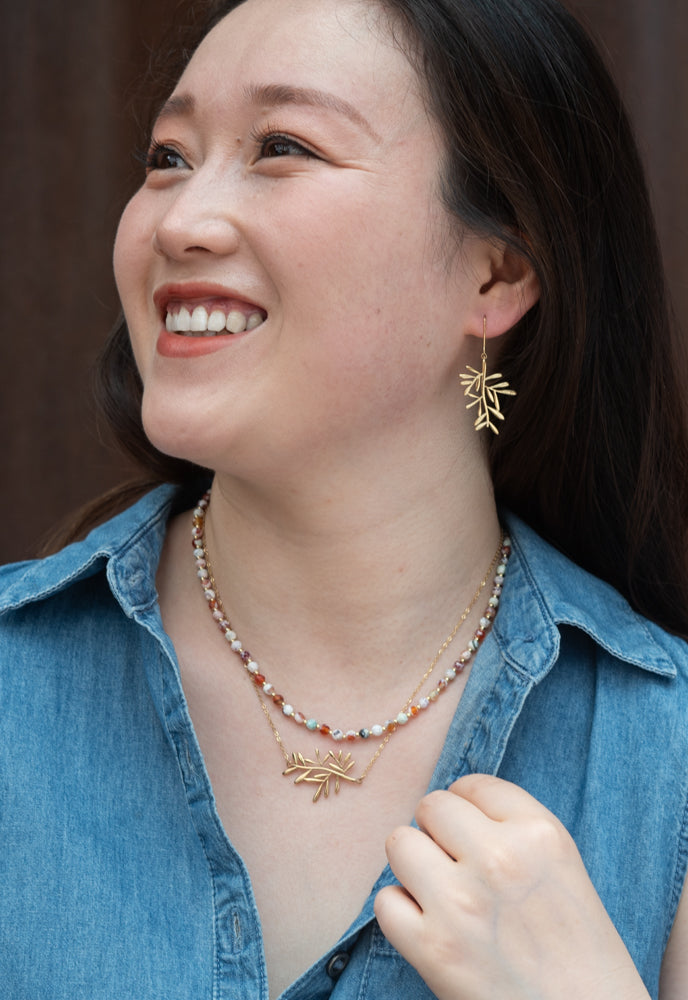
(539, 154)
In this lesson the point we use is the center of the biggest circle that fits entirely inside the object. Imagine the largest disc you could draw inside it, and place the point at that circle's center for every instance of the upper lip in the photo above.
(198, 290)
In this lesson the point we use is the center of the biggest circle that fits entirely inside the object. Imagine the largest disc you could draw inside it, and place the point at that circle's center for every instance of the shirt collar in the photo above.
(544, 589)
(127, 547)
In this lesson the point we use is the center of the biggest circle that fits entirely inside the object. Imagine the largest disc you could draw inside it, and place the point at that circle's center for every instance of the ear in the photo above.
(510, 291)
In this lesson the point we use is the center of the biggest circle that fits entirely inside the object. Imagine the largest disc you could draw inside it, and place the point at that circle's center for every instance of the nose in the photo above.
(199, 218)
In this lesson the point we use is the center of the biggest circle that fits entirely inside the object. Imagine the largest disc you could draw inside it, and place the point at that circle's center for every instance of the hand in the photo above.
(497, 904)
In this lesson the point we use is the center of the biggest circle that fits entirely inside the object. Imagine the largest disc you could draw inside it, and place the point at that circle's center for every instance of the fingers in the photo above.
(419, 862)
(495, 901)
(497, 799)
(481, 835)
(453, 822)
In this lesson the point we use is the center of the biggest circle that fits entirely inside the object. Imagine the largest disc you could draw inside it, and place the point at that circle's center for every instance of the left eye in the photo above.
(161, 157)
(281, 145)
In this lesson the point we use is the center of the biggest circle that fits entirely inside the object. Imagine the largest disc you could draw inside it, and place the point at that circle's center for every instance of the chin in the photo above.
(172, 432)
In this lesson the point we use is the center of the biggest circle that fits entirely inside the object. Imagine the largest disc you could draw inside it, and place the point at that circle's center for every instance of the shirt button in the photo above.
(337, 964)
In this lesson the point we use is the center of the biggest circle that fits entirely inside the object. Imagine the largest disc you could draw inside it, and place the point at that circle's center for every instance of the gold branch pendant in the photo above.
(480, 387)
(333, 767)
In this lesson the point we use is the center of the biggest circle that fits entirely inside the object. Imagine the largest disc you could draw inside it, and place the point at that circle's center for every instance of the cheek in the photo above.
(130, 243)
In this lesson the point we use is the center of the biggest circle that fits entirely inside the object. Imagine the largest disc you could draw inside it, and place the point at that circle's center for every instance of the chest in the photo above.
(312, 864)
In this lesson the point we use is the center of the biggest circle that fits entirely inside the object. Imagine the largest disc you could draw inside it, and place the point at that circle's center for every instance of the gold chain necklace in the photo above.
(334, 768)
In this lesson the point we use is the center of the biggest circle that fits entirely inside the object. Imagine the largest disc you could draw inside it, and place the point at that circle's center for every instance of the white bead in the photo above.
(376, 730)
(288, 709)
(252, 667)
(236, 645)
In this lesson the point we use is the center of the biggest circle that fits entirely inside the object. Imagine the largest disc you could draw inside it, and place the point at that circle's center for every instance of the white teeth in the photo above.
(199, 321)
(236, 321)
(183, 322)
(216, 321)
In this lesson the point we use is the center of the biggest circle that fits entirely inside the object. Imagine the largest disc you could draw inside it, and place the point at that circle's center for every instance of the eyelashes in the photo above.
(269, 143)
(162, 157)
(272, 143)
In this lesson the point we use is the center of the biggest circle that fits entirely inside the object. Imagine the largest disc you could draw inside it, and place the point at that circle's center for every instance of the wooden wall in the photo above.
(66, 74)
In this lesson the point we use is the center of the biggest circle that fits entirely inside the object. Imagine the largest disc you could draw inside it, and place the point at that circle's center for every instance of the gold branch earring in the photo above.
(481, 389)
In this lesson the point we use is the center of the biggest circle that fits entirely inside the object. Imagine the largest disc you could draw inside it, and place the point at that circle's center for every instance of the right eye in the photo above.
(161, 157)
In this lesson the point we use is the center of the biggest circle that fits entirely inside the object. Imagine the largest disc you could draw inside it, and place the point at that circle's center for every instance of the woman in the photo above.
(351, 211)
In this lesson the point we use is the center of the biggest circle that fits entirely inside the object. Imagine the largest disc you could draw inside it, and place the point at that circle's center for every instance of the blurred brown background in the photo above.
(67, 76)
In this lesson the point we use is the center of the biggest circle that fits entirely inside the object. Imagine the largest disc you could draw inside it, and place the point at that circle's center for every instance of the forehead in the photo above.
(342, 48)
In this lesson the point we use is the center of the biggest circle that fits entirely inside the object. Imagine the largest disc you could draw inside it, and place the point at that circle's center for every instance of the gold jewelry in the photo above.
(477, 387)
(335, 767)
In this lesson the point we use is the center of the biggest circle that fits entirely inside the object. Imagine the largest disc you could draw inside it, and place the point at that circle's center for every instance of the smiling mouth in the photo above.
(200, 321)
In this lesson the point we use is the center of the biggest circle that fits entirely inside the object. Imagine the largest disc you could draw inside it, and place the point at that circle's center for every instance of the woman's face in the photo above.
(292, 199)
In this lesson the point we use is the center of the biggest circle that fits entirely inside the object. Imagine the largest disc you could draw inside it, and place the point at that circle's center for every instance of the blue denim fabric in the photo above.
(117, 879)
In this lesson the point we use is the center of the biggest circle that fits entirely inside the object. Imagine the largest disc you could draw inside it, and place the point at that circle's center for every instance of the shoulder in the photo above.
(601, 739)
(548, 597)
(124, 549)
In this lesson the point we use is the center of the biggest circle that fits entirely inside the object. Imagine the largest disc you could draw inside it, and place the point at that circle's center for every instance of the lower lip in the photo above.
(172, 345)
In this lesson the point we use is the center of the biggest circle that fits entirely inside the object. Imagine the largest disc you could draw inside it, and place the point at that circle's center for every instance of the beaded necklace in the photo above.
(336, 767)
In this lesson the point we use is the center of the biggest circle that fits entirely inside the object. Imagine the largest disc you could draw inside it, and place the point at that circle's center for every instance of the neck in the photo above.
(349, 569)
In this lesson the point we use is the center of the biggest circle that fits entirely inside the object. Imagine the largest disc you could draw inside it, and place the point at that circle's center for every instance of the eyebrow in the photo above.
(274, 95)
(181, 105)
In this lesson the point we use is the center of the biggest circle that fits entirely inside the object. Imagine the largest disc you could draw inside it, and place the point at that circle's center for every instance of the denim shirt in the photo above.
(117, 879)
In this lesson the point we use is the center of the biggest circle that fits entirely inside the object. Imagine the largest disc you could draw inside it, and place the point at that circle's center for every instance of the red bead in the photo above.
(258, 679)
(325, 730)
(278, 700)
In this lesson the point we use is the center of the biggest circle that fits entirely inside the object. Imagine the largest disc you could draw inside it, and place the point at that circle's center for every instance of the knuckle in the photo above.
(525, 851)
(399, 837)
(428, 806)
(548, 837)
